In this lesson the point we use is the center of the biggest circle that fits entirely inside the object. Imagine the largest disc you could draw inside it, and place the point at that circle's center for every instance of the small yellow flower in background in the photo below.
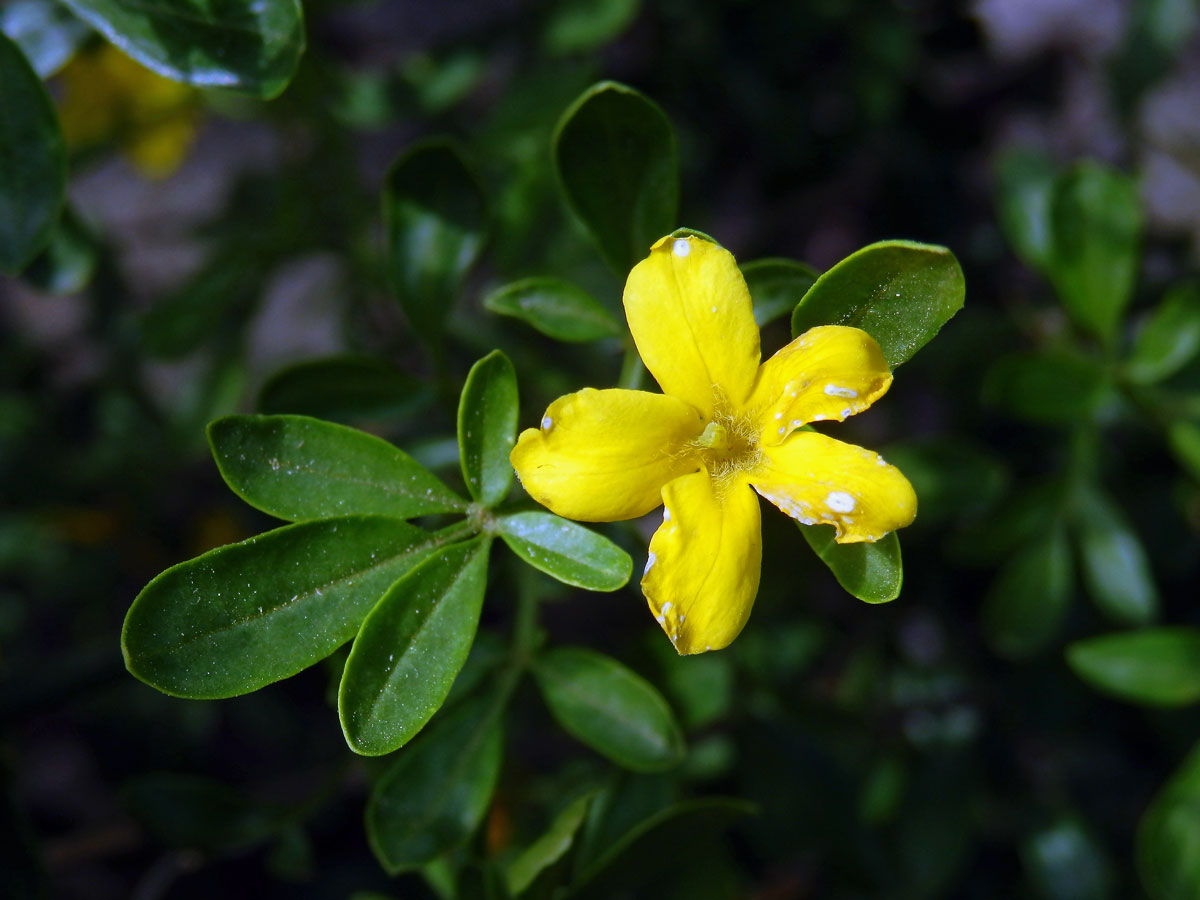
(723, 428)
(106, 96)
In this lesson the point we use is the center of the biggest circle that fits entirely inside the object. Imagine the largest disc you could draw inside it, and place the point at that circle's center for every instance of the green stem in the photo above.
(467, 528)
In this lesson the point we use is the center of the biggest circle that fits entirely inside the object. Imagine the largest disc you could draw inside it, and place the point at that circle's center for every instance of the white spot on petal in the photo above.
(650, 561)
(666, 607)
(836, 390)
(783, 429)
(666, 514)
(847, 413)
(546, 423)
(840, 501)
(681, 247)
(778, 415)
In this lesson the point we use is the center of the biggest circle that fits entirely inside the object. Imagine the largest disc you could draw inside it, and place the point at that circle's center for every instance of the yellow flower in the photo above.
(723, 428)
(107, 96)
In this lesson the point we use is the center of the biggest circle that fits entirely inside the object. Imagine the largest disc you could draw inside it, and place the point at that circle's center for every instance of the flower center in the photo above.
(728, 445)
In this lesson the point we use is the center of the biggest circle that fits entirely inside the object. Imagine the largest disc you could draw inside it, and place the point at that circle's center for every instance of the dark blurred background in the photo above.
(893, 754)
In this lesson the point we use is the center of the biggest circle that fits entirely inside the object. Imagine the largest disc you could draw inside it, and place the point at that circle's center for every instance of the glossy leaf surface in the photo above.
(550, 847)
(571, 553)
(556, 308)
(1169, 339)
(1113, 562)
(487, 428)
(435, 214)
(298, 468)
(617, 163)
(1024, 185)
(32, 161)
(437, 790)
(1152, 666)
(245, 615)
(252, 46)
(872, 572)
(610, 708)
(411, 647)
(899, 292)
(1096, 223)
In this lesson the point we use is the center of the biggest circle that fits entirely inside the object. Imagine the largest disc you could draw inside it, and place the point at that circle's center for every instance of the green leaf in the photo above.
(436, 792)
(33, 161)
(344, 388)
(1096, 224)
(692, 824)
(617, 163)
(1151, 666)
(1168, 837)
(298, 468)
(1064, 862)
(252, 47)
(1113, 562)
(1024, 184)
(571, 553)
(245, 615)
(411, 647)
(777, 286)
(550, 847)
(872, 572)
(487, 428)
(579, 26)
(68, 260)
(1183, 438)
(899, 292)
(436, 219)
(47, 34)
(193, 812)
(610, 708)
(556, 308)
(1053, 388)
(1025, 606)
(1170, 337)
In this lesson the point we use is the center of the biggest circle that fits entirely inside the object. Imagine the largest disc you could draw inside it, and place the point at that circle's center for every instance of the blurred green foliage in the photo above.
(475, 178)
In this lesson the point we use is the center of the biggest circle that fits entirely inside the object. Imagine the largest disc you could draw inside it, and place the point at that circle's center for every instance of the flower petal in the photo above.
(601, 456)
(690, 315)
(829, 372)
(817, 480)
(704, 563)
